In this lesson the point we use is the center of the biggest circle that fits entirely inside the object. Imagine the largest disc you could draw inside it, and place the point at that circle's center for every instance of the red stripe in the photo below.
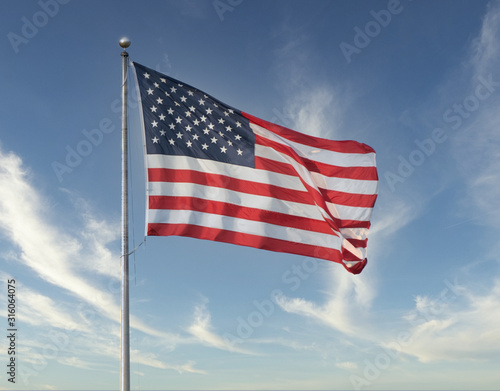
(237, 211)
(346, 146)
(226, 182)
(349, 199)
(333, 196)
(314, 192)
(361, 173)
(262, 163)
(351, 223)
(328, 170)
(358, 243)
(249, 240)
(310, 197)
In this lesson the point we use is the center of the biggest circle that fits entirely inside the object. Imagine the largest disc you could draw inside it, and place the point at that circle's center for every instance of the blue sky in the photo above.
(418, 81)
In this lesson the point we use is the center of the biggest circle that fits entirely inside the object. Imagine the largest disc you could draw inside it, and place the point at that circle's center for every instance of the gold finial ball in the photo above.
(124, 42)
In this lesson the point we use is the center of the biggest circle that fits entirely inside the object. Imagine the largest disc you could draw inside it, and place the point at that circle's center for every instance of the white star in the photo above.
(156, 84)
(177, 104)
(228, 128)
(231, 111)
(170, 111)
(196, 122)
(192, 108)
(183, 99)
(229, 143)
(206, 131)
(146, 75)
(163, 80)
(179, 135)
(188, 128)
(211, 126)
(154, 124)
(221, 121)
(162, 133)
(188, 114)
(171, 141)
(196, 137)
(190, 93)
(150, 92)
(201, 102)
(238, 124)
(226, 113)
(155, 140)
(203, 118)
(178, 120)
(159, 101)
(204, 146)
(223, 149)
(240, 152)
(189, 144)
(153, 109)
(221, 134)
(162, 117)
(209, 111)
(172, 126)
(214, 140)
(173, 90)
(237, 137)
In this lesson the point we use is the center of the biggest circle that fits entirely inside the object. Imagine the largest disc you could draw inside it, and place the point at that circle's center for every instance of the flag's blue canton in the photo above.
(182, 120)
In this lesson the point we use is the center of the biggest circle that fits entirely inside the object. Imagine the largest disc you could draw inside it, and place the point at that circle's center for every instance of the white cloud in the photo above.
(201, 329)
(345, 303)
(62, 258)
(349, 365)
(485, 51)
(459, 325)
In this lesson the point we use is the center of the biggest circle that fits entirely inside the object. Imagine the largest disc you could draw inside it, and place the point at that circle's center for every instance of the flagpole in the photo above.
(125, 327)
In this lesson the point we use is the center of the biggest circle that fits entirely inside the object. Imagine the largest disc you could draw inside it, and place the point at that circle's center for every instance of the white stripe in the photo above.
(357, 251)
(354, 233)
(349, 212)
(346, 185)
(320, 155)
(209, 193)
(244, 226)
(238, 172)
(354, 186)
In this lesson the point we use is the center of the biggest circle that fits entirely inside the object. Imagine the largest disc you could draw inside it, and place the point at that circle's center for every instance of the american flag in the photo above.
(217, 173)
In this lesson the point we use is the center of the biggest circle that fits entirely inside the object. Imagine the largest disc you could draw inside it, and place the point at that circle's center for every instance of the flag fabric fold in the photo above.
(217, 173)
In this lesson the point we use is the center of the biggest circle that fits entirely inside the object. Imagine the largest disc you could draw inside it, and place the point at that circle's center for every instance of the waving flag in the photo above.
(217, 173)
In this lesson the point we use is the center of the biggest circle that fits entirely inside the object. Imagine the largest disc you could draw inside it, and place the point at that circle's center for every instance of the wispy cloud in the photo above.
(465, 316)
(343, 307)
(69, 259)
(201, 329)
(473, 319)
(56, 255)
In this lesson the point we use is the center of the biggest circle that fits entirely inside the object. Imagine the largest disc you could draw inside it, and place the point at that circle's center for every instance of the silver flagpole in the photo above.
(125, 327)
